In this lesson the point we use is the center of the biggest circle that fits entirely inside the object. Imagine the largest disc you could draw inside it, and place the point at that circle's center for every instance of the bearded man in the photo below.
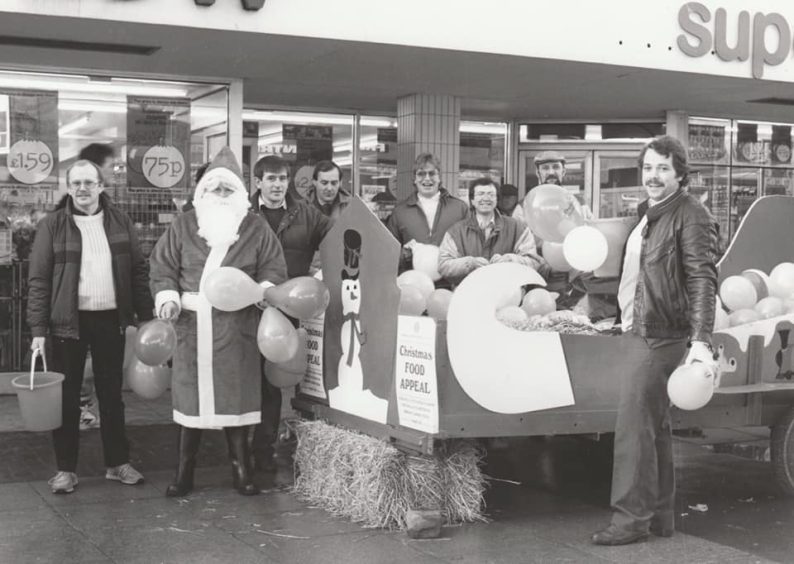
(216, 381)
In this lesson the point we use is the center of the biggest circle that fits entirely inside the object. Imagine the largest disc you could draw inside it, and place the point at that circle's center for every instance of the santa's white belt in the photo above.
(190, 301)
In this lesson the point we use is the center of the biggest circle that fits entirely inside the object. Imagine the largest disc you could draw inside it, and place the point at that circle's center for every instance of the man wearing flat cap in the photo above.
(550, 167)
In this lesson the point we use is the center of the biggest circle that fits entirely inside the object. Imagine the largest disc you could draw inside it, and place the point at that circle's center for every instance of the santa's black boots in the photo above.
(237, 438)
(189, 440)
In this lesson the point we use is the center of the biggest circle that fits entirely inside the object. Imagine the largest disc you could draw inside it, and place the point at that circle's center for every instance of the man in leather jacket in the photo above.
(667, 301)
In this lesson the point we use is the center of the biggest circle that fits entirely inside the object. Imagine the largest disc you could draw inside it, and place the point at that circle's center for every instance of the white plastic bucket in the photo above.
(40, 397)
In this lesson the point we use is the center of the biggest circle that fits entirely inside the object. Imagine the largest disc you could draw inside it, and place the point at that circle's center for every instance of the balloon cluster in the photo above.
(284, 347)
(754, 295)
(536, 302)
(555, 215)
(146, 352)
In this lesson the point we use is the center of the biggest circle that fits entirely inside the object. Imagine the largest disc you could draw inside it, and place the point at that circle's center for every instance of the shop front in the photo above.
(166, 88)
(155, 135)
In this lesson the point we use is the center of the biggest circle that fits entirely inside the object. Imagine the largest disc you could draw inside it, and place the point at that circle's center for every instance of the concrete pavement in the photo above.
(548, 517)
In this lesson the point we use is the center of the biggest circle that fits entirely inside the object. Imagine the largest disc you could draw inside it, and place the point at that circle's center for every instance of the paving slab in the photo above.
(502, 542)
(365, 547)
(18, 496)
(165, 543)
(97, 491)
(63, 545)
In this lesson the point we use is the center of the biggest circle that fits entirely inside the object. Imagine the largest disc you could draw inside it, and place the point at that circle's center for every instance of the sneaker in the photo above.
(87, 419)
(125, 474)
(63, 482)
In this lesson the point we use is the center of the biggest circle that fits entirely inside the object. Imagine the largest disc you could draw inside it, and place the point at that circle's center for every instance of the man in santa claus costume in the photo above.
(216, 368)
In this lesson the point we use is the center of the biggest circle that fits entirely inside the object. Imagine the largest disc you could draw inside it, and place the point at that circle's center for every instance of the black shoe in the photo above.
(615, 536)
(661, 530)
(189, 440)
(237, 439)
(265, 464)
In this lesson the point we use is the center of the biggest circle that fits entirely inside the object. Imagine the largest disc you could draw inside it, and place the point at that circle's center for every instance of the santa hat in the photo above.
(223, 168)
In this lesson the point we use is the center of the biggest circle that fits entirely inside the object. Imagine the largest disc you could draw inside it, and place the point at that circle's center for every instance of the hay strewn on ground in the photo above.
(372, 483)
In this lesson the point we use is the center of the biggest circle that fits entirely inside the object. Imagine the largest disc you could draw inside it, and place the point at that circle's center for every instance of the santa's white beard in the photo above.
(219, 219)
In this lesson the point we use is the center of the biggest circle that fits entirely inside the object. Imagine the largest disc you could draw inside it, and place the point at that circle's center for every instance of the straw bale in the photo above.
(371, 482)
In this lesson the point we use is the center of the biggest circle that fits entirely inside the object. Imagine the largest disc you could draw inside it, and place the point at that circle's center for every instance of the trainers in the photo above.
(125, 474)
(87, 419)
(63, 482)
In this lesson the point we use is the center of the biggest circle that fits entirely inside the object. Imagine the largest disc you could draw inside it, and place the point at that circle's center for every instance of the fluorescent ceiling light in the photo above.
(482, 127)
(90, 106)
(316, 119)
(73, 125)
(298, 118)
(129, 87)
(378, 122)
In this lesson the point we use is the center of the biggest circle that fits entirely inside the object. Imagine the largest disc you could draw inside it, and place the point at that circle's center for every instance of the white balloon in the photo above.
(585, 248)
(425, 259)
(782, 280)
(691, 386)
(419, 280)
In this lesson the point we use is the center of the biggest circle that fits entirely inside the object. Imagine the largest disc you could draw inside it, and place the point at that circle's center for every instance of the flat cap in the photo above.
(549, 157)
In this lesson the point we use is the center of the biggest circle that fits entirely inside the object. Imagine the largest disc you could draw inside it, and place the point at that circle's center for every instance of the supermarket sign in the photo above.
(763, 39)
(250, 5)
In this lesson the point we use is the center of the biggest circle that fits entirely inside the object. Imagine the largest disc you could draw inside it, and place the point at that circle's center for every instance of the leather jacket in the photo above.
(677, 284)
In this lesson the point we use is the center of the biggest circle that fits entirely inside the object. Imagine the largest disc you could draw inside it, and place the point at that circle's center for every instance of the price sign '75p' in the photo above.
(30, 161)
(163, 166)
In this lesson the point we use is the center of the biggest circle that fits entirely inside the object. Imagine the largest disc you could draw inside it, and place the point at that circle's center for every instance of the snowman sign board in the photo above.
(359, 258)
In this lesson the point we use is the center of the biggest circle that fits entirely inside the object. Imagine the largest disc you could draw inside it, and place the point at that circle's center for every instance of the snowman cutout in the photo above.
(350, 395)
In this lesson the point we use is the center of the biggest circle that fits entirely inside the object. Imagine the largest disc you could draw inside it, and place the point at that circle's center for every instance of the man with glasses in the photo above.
(485, 237)
(88, 281)
(299, 227)
(102, 155)
(427, 214)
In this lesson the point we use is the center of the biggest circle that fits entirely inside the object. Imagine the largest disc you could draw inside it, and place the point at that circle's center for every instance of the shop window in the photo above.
(482, 153)
(709, 178)
(159, 133)
(303, 140)
(606, 131)
(378, 163)
(734, 162)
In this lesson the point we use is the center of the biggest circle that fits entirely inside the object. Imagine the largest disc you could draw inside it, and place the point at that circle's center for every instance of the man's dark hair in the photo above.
(270, 163)
(325, 166)
(666, 146)
(508, 190)
(97, 153)
(483, 181)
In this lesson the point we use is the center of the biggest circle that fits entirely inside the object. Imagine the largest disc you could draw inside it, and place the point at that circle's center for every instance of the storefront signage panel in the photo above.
(28, 146)
(764, 42)
(158, 136)
(621, 34)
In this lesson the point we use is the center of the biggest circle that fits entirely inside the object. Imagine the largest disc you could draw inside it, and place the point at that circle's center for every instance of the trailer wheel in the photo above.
(782, 452)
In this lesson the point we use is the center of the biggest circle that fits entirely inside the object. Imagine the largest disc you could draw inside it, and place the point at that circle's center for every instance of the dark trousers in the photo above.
(266, 432)
(643, 475)
(99, 332)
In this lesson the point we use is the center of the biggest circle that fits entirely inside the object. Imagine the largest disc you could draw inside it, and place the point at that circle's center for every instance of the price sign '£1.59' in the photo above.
(163, 166)
(30, 161)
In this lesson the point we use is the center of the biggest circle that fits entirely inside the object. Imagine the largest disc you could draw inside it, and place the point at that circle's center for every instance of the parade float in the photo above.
(422, 385)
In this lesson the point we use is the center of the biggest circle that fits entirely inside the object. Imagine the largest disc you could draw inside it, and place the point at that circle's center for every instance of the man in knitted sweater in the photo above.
(87, 282)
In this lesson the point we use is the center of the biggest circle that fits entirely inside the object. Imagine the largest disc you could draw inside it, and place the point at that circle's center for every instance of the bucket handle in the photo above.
(33, 356)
